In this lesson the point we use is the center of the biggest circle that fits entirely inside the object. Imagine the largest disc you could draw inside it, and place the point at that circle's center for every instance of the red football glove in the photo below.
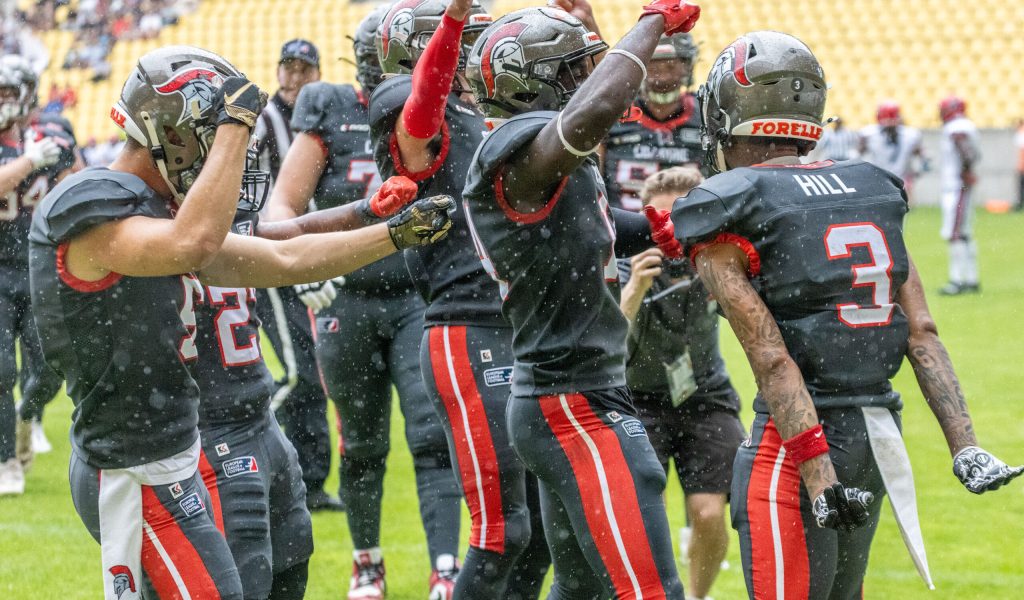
(392, 196)
(663, 232)
(680, 16)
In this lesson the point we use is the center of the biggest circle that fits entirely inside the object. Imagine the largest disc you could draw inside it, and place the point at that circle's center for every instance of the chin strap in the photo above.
(157, 152)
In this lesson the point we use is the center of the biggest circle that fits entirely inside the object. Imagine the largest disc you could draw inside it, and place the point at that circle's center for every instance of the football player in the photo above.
(537, 208)
(426, 127)
(31, 160)
(368, 338)
(960, 155)
(891, 145)
(116, 255)
(666, 130)
(808, 263)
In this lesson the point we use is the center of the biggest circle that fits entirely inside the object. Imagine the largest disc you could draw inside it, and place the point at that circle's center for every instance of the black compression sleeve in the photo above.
(632, 232)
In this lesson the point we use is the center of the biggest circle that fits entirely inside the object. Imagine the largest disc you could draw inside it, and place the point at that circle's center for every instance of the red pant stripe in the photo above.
(209, 476)
(778, 549)
(474, 448)
(608, 494)
(168, 557)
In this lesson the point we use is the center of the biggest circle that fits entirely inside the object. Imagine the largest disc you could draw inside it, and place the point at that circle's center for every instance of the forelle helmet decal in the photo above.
(197, 86)
(790, 128)
(400, 19)
(503, 55)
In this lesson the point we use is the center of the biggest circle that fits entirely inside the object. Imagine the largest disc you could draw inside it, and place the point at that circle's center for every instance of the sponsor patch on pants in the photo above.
(192, 504)
(634, 428)
(222, 449)
(240, 466)
(498, 376)
(175, 490)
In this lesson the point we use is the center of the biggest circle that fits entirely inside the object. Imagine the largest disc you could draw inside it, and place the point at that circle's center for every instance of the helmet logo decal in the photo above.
(197, 86)
(398, 24)
(790, 128)
(503, 55)
(739, 62)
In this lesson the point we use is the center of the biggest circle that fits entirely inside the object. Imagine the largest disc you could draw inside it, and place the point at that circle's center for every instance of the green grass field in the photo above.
(975, 544)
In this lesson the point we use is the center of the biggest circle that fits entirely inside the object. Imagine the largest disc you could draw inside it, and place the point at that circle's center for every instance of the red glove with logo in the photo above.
(663, 232)
(392, 196)
(680, 16)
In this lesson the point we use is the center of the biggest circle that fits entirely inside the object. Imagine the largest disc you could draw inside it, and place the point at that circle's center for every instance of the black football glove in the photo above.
(981, 472)
(423, 222)
(841, 508)
(238, 101)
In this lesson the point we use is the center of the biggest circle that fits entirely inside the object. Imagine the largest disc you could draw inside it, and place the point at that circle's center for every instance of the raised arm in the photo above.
(423, 114)
(976, 468)
(595, 107)
(296, 181)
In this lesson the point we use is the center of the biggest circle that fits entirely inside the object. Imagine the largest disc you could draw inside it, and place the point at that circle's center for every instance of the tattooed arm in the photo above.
(932, 366)
(723, 268)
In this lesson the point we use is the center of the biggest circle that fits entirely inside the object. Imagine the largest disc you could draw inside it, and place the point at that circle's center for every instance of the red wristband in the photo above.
(805, 445)
(432, 81)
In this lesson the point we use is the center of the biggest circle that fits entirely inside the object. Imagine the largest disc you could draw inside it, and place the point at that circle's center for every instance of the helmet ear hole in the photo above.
(172, 137)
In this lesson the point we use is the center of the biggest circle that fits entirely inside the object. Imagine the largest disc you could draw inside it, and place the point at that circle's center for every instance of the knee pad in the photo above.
(432, 458)
(518, 532)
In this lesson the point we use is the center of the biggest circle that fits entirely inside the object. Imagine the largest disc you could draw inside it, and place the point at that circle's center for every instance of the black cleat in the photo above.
(321, 500)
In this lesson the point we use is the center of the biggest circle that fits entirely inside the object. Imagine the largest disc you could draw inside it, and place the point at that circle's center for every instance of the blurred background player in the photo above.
(680, 387)
(891, 145)
(960, 156)
(300, 400)
(837, 143)
(32, 160)
(1018, 142)
(665, 132)
(537, 209)
(424, 124)
(368, 328)
(824, 334)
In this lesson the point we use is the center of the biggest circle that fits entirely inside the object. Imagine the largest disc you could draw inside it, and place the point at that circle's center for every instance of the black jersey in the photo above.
(555, 267)
(122, 343)
(638, 149)
(448, 273)
(337, 114)
(234, 382)
(826, 251)
(16, 207)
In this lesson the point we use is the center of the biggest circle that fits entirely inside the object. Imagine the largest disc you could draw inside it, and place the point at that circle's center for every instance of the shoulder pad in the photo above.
(713, 207)
(503, 142)
(387, 101)
(89, 198)
(322, 104)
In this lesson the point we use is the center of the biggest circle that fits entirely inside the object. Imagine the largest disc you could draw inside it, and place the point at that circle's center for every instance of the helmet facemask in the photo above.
(255, 184)
(10, 105)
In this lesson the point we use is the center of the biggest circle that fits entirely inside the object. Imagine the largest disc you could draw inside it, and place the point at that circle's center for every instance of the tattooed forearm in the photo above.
(778, 377)
(941, 389)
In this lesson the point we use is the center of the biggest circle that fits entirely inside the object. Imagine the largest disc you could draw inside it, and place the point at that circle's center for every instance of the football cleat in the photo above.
(957, 289)
(367, 581)
(442, 579)
(40, 444)
(23, 447)
(12, 478)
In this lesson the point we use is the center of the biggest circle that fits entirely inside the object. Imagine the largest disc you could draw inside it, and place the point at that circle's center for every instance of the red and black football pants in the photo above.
(786, 556)
(467, 372)
(601, 497)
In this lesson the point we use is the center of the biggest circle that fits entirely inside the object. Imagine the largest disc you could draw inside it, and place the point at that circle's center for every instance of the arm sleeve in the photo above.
(432, 81)
(632, 232)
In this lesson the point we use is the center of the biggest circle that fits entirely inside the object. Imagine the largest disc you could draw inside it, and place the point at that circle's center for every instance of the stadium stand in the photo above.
(916, 51)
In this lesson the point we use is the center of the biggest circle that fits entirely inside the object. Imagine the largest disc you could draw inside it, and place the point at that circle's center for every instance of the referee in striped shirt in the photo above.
(300, 397)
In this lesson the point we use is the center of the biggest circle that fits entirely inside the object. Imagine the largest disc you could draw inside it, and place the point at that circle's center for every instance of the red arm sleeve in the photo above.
(432, 81)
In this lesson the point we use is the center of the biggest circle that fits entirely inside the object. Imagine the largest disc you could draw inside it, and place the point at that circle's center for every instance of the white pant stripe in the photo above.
(171, 567)
(773, 492)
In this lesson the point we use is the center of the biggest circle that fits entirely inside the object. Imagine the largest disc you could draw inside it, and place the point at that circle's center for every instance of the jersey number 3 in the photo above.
(840, 240)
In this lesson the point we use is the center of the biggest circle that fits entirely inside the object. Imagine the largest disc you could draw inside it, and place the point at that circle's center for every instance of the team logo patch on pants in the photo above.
(192, 505)
(634, 428)
(240, 466)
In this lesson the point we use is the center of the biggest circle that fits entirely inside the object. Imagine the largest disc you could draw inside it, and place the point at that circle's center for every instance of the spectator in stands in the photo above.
(17, 39)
